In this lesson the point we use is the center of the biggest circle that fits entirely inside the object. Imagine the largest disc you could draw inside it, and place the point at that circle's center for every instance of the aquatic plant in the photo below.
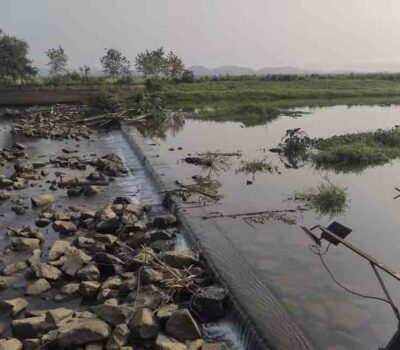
(211, 162)
(326, 199)
(255, 166)
(358, 150)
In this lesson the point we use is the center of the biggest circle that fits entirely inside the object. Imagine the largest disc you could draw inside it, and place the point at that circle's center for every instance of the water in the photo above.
(277, 251)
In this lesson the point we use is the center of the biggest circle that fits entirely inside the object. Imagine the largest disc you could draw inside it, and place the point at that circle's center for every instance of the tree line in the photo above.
(154, 64)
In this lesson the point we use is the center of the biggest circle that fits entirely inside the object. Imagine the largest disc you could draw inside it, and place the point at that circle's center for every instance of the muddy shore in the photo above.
(90, 258)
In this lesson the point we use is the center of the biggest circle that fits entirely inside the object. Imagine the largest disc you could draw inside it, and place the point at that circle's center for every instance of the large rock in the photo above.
(20, 244)
(143, 324)
(215, 346)
(58, 316)
(108, 221)
(39, 286)
(31, 327)
(81, 332)
(43, 199)
(46, 271)
(7, 281)
(76, 259)
(163, 342)
(165, 312)
(14, 268)
(89, 289)
(209, 303)
(114, 314)
(10, 344)
(180, 260)
(164, 221)
(182, 326)
(88, 273)
(64, 227)
(58, 249)
(13, 306)
(119, 337)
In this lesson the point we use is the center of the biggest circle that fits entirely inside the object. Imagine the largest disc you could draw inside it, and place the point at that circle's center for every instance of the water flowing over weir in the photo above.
(262, 321)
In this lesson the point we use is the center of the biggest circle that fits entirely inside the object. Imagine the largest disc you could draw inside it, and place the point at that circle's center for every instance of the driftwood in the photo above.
(220, 215)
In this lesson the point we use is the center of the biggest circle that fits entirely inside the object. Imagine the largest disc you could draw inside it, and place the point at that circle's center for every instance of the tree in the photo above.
(84, 71)
(14, 62)
(152, 63)
(175, 66)
(115, 64)
(58, 60)
(187, 76)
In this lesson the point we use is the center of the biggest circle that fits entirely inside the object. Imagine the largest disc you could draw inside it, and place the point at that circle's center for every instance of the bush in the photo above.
(104, 102)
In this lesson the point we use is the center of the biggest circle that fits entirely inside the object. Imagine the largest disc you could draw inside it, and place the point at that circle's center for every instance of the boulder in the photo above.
(10, 344)
(119, 337)
(163, 342)
(44, 270)
(31, 344)
(180, 260)
(13, 306)
(81, 332)
(43, 199)
(209, 303)
(114, 314)
(64, 227)
(20, 244)
(14, 268)
(39, 286)
(165, 312)
(35, 257)
(89, 288)
(58, 316)
(58, 249)
(7, 281)
(88, 273)
(164, 221)
(182, 326)
(75, 260)
(143, 324)
(108, 221)
(31, 327)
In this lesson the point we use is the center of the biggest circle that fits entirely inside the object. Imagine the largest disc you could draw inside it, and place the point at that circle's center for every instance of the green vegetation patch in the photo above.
(326, 199)
(255, 166)
(357, 150)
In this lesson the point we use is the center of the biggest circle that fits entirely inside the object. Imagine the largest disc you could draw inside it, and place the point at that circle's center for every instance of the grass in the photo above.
(358, 150)
(253, 89)
(325, 199)
(254, 167)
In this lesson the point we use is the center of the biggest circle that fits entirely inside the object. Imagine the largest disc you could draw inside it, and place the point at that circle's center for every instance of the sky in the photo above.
(327, 34)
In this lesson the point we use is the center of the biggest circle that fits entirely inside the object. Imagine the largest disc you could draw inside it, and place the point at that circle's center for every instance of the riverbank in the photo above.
(91, 259)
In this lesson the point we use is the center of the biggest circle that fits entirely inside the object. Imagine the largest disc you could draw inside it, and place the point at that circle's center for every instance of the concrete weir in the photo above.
(265, 323)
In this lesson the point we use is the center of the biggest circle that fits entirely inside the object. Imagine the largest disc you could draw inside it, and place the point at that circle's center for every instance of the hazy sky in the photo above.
(254, 33)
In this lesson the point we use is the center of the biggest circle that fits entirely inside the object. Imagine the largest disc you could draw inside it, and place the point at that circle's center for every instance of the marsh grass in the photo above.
(357, 151)
(255, 166)
(325, 199)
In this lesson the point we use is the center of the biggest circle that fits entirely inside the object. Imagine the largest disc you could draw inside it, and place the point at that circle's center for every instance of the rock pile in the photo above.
(137, 292)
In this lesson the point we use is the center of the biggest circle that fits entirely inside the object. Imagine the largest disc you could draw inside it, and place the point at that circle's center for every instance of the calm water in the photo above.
(279, 252)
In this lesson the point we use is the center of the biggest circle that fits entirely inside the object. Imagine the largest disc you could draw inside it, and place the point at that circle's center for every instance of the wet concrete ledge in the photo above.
(265, 322)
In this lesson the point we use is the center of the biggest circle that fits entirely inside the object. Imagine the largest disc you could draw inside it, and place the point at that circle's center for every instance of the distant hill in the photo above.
(282, 70)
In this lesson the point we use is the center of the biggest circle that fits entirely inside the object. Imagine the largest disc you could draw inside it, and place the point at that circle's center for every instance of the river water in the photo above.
(277, 251)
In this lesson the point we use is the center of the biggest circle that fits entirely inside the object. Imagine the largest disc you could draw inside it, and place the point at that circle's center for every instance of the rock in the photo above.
(119, 337)
(58, 316)
(19, 210)
(76, 259)
(13, 306)
(107, 261)
(165, 311)
(105, 238)
(91, 190)
(6, 281)
(164, 221)
(19, 243)
(43, 199)
(74, 192)
(180, 260)
(31, 327)
(35, 257)
(58, 248)
(4, 196)
(108, 221)
(31, 344)
(182, 326)
(64, 227)
(164, 342)
(14, 268)
(10, 344)
(143, 324)
(42, 222)
(94, 346)
(68, 291)
(209, 303)
(114, 314)
(46, 271)
(89, 288)
(196, 345)
(81, 332)
(162, 245)
(88, 273)
(149, 297)
(39, 286)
